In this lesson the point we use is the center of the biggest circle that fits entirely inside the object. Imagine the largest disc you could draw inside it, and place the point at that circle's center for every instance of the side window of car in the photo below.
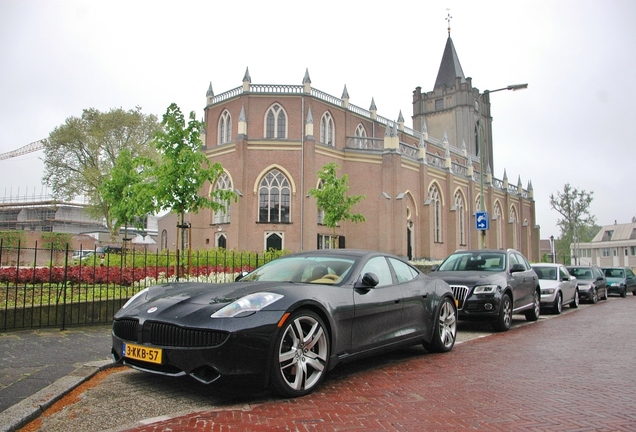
(630, 273)
(597, 272)
(380, 268)
(522, 260)
(403, 271)
(564, 273)
(513, 260)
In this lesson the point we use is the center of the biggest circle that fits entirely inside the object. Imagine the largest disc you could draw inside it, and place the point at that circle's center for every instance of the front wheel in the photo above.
(557, 308)
(623, 293)
(594, 298)
(445, 330)
(504, 319)
(301, 359)
(576, 300)
(606, 294)
(533, 314)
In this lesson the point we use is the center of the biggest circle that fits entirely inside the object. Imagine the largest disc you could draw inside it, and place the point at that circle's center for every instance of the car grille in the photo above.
(167, 335)
(126, 329)
(171, 335)
(460, 292)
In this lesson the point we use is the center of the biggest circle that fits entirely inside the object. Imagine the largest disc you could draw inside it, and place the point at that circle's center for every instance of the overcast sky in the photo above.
(574, 123)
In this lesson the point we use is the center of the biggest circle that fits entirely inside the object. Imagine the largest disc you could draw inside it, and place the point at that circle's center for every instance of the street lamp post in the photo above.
(482, 204)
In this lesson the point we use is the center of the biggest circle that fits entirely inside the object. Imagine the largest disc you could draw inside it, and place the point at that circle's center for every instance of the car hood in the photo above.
(615, 280)
(178, 299)
(469, 278)
(548, 283)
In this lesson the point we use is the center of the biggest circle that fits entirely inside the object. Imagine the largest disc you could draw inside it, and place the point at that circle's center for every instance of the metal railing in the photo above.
(42, 287)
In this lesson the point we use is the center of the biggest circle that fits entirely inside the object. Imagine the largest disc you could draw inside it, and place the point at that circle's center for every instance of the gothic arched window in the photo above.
(274, 198)
(360, 140)
(225, 128)
(276, 122)
(436, 203)
(327, 130)
(223, 183)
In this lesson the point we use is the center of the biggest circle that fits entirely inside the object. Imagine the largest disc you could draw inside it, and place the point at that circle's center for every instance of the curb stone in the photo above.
(32, 407)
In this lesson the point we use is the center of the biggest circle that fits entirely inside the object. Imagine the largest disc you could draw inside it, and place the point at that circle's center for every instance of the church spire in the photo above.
(450, 68)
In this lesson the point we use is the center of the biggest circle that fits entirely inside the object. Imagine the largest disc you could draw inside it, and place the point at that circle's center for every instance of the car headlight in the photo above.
(485, 289)
(247, 305)
(135, 297)
(547, 291)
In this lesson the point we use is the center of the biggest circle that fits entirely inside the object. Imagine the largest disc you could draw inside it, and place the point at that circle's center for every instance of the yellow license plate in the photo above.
(138, 352)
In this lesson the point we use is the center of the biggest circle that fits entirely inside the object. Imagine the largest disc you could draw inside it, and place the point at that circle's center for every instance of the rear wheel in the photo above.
(533, 314)
(504, 319)
(445, 328)
(301, 358)
(557, 308)
(576, 300)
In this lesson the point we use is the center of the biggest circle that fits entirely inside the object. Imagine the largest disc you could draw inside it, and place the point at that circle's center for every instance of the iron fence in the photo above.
(42, 287)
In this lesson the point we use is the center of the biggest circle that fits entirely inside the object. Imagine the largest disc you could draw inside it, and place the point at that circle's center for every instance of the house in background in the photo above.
(613, 246)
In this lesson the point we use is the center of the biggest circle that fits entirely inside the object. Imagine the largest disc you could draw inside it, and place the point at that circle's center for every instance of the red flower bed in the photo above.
(102, 275)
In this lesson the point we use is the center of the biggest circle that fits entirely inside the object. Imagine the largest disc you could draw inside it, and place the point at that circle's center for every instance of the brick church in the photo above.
(422, 183)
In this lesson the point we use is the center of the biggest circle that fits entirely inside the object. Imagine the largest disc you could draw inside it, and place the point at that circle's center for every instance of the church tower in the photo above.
(455, 108)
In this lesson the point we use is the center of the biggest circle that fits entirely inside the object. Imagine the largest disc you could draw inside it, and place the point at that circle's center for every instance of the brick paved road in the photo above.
(570, 373)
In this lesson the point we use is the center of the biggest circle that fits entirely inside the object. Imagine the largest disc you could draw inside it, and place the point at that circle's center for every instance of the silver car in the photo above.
(558, 287)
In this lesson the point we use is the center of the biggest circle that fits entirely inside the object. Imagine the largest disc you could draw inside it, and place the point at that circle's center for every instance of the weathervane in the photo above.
(448, 18)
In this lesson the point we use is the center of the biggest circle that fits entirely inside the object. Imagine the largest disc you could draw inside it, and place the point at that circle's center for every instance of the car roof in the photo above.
(546, 265)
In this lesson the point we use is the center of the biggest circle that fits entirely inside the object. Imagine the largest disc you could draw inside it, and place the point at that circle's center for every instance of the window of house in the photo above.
(225, 128)
(605, 252)
(221, 241)
(360, 140)
(273, 241)
(164, 240)
(436, 204)
(222, 216)
(327, 130)
(276, 122)
(607, 235)
(274, 198)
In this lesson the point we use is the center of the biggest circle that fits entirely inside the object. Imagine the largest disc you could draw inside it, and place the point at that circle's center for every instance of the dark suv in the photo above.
(491, 285)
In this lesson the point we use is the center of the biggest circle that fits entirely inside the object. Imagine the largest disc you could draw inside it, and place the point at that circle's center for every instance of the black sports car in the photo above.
(290, 321)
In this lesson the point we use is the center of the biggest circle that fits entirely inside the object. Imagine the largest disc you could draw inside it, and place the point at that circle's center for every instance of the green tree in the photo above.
(576, 222)
(79, 155)
(331, 198)
(183, 169)
(128, 191)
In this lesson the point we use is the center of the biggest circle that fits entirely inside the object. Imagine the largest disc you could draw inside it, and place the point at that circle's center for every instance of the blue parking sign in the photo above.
(481, 220)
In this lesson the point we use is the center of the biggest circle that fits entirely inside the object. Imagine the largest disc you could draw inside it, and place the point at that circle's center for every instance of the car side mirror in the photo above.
(369, 280)
(434, 267)
(600, 278)
(517, 268)
(240, 276)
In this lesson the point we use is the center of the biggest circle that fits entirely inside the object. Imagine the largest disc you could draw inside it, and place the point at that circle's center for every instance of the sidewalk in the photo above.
(571, 372)
(38, 366)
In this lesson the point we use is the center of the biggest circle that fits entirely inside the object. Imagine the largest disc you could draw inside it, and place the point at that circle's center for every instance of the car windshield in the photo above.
(471, 261)
(310, 269)
(614, 273)
(546, 273)
(581, 272)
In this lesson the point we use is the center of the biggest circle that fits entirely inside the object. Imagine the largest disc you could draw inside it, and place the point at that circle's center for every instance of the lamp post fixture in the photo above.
(482, 204)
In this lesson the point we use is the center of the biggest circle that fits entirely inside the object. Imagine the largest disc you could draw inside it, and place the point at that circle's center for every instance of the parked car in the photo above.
(558, 287)
(620, 280)
(80, 255)
(491, 285)
(289, 321)
(591, 282)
